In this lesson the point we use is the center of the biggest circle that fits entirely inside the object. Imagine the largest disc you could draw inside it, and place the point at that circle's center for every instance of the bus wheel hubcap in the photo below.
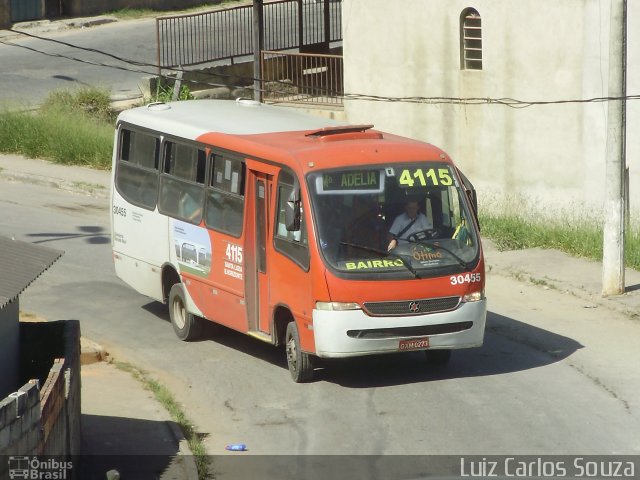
(179, 313)
(291, 352)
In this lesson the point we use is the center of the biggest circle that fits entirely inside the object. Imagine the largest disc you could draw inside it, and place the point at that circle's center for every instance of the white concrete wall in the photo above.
(9, 348)
(552, 156)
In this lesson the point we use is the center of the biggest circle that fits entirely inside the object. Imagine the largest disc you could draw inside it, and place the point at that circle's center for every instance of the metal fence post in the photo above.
(258, 45)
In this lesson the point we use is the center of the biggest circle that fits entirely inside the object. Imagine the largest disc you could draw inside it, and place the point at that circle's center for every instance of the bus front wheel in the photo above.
(186, 325)
(300, 364)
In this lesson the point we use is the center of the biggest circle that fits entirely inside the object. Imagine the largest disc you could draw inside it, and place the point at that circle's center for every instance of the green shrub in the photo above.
(581, 237)
(94, 102)
(70, 128)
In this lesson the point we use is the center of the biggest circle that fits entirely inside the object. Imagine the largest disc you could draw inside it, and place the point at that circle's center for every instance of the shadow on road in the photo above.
(114, 443)
(94, 235)
(228, 338)
(158, 309)
(509, 346)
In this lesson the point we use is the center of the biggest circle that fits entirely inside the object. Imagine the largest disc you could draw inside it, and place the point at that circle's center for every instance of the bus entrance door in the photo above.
(257, 284)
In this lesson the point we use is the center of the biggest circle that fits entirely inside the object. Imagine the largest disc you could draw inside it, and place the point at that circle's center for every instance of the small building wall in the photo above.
(9, 347)
(45, 421)
(20, 422)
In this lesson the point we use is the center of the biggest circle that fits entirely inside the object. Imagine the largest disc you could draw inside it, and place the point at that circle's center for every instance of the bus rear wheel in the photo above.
(186, 325)
(300, 364)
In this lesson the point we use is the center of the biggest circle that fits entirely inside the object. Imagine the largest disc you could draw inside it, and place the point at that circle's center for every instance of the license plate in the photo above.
(414, 343)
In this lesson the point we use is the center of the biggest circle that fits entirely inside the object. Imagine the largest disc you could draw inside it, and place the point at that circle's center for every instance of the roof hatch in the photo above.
(345, 132)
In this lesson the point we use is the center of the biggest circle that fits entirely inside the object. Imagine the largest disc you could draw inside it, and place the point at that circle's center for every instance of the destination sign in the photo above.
(351, 181)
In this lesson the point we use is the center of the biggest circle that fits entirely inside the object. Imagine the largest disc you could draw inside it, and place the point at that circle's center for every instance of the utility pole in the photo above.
(614, 206)
(258, 45)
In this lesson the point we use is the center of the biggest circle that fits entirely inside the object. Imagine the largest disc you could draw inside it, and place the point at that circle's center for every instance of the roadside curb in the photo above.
(590, 299)
(44, 26)
(76, 179)
(58, 183)
(578, 277)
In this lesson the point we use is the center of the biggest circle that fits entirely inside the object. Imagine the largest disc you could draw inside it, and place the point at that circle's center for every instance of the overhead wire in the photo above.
(436, 100)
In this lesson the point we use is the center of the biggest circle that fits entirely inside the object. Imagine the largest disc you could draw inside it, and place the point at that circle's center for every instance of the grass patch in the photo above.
(132, 13)
(540, 282)
(91, 102)
(164, 396)
(59, 136)
(580, 237)
(135, 13)
(73, 128)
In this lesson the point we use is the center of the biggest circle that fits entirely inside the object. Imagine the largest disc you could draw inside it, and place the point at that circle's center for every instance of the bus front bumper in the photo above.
(352, 333)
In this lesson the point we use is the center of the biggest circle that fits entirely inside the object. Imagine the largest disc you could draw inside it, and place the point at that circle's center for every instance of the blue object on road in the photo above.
(237, 447)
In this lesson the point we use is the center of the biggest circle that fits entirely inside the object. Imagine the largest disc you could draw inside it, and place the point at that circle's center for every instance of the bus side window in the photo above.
(182, 184)
(137, 168)
(225, 195)
(292, 244)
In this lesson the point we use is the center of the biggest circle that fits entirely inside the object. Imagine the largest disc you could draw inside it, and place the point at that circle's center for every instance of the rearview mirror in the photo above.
(292, 209)
(471, 194)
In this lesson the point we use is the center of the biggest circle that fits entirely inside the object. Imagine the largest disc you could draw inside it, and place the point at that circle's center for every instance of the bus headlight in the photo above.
(337, 306)
(473, 297)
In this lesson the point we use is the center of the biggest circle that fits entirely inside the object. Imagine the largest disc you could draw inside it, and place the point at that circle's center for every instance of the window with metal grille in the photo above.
(470, 40)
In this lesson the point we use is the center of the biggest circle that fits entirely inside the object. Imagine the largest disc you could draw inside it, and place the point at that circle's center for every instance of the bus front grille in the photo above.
(419, 331)
(411, 307)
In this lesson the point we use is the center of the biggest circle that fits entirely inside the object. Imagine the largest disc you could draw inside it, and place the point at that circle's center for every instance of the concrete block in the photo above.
(223, 93)
(20, 401)
(7, 411)
(17, 430)
(32, 393)
(242, 93)
(91, 352)
(5, 438)
(21, 444)
(27, 443)
(32, 417)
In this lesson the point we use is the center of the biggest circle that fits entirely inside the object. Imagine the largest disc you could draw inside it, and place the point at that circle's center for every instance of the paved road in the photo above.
(32, 67)
(554, 377)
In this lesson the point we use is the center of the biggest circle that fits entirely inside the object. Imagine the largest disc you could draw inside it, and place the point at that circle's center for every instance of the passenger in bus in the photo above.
(409, 222)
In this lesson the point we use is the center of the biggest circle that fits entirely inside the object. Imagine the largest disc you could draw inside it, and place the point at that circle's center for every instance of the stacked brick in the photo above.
(46, 420)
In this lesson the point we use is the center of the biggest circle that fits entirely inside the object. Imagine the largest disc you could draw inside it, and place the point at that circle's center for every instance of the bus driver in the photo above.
(407, 223)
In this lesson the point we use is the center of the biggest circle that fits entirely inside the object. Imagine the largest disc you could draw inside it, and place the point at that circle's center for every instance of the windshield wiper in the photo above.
(428, 243)
(382, 253)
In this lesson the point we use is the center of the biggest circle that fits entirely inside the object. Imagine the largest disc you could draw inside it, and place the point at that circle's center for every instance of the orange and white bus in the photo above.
(281, 225)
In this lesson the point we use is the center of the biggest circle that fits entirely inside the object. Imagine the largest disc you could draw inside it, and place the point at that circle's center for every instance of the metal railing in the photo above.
(302, 78)
(194, 39)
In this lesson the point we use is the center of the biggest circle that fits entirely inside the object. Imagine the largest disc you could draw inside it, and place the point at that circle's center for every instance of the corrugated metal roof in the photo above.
(20, 264)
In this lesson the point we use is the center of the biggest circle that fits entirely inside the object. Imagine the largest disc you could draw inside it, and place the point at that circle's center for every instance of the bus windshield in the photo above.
(409, 219)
